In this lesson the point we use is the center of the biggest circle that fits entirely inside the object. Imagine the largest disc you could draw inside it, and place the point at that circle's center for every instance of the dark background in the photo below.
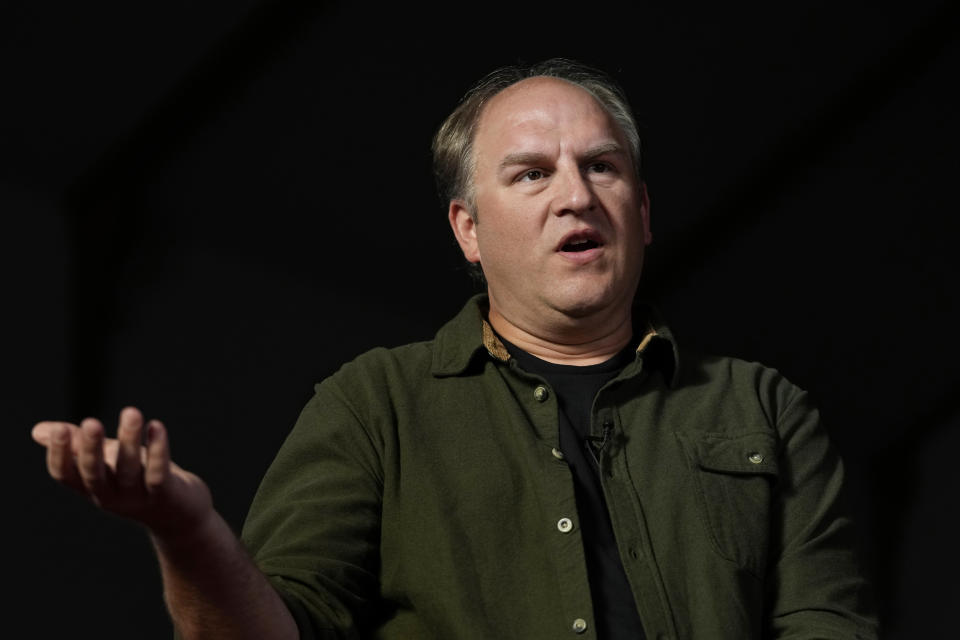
(208, 207)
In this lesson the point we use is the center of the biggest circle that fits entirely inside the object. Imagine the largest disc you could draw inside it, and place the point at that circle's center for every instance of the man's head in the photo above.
(551, 203)
(453, 158)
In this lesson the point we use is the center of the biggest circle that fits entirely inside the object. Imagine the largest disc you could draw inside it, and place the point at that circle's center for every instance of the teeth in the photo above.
(583, 244)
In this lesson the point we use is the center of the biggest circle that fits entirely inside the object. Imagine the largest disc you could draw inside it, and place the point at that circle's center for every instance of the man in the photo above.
(548, 466)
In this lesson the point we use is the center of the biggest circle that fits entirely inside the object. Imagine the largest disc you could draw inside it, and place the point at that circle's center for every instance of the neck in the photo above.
(580, 343)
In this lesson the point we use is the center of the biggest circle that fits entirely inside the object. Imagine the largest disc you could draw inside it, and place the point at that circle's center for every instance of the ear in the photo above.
(645, 213)
(464, 229)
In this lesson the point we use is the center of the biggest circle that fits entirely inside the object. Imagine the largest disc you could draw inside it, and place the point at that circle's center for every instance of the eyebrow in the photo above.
(532, 157)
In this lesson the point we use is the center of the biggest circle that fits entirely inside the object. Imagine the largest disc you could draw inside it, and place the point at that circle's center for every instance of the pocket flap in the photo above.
(749, 453)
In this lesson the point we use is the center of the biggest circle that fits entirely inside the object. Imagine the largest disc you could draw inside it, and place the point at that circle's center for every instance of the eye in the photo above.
(530, 176)
(600, 167)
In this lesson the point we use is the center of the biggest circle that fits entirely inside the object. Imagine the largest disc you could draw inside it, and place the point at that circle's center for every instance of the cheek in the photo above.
(510, 227)
(497, 224)
(631, 218)
(494, 244)
(503, 250)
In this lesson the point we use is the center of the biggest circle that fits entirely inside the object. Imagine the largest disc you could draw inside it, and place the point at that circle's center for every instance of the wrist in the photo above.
(196, 537)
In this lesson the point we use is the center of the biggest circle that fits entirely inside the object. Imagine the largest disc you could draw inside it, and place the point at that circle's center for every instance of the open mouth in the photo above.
(584, 244)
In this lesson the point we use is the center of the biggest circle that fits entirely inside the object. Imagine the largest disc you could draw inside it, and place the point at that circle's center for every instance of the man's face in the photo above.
(561, 221)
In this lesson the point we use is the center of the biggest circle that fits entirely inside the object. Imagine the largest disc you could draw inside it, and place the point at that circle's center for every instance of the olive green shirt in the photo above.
(421, 494)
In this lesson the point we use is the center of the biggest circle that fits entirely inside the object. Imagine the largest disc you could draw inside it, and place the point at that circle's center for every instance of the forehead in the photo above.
(542, 109)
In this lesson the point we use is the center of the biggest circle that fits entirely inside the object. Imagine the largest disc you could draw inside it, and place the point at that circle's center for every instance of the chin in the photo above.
(583, 306)
(586, 299)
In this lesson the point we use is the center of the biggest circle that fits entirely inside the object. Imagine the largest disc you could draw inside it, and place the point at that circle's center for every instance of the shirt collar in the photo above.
(468, 336)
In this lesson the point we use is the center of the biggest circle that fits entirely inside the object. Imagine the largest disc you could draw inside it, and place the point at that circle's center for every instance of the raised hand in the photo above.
(130, 475)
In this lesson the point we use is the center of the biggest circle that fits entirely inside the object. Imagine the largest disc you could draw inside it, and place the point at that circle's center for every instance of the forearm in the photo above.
(214, 590)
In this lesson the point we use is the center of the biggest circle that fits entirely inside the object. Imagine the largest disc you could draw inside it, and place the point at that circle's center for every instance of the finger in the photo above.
(90, 457)
(129, 470)
(60, 461)
(41, 431)
(157, 467)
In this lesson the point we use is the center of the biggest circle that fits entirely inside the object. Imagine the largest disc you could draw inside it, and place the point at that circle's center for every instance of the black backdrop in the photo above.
(207, 207)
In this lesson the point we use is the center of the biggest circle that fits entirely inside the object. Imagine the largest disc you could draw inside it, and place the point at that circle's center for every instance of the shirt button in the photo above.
(756, 457)
(541, 393)
(557, 454)
(565, 525)
(579, 625)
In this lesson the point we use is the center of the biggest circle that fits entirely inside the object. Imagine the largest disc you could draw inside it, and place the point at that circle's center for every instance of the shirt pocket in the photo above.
(734, 478)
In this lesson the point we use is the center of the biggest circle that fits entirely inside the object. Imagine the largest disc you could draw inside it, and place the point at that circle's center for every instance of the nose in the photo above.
(574, 193)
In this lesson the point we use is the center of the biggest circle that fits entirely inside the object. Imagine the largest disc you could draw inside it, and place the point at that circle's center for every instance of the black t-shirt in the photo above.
(615, 609)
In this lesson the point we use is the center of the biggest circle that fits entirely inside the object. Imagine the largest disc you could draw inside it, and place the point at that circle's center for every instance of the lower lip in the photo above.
(582, 257)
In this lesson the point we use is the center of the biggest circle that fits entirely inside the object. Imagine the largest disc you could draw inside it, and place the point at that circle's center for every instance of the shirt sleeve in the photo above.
(816, 587)
(314, 525)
